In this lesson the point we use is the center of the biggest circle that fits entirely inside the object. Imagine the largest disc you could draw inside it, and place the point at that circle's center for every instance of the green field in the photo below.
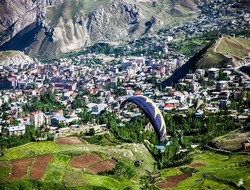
(57, 168)
(237, 47)
(59, 174)
(30, 150)
(219, 171)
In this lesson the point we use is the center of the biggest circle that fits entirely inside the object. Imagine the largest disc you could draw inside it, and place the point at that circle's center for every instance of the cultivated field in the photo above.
(56, 169)
(68, 140)
(84, 161)
(19, 168)
(172, 181)
(39, 166)
(210, 171)
(102, 166)
(63, 165)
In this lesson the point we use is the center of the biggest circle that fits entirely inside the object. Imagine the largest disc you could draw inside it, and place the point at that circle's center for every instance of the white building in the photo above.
(16, 130)
(37, 118)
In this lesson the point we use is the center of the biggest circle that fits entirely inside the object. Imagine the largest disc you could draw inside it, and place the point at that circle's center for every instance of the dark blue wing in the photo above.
(152, 112)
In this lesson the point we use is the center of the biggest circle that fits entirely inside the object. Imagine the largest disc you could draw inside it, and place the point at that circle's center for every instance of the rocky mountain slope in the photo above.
(51, 27)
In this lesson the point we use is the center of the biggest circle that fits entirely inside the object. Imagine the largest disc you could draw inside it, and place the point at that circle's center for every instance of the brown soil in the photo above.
(68, 140)
(39, 166)
(197, 165)
(173, 181)
(102, 166)
(19, 168)
(84, 161)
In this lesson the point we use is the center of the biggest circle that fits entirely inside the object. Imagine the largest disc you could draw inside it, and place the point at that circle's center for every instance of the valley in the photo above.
(125, 94)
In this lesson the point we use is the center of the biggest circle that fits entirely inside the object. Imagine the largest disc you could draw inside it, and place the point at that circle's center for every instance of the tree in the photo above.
(15, 122)
(35, 86)
(92, 131)
(5, 106)
(5, 115)
(61, 125)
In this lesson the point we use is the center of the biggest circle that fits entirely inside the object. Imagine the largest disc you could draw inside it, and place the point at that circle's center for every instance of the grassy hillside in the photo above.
(209, 170)
(60, 174)
(227, 50)
(218, 172)
(216, 53)
(236, 47)
(232, 141)
(211, 59)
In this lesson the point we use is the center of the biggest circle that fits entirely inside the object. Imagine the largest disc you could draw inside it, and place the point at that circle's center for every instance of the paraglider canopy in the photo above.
(152, 112)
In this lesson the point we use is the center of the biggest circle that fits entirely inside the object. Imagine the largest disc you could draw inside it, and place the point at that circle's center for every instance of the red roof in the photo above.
(168, 106)
(138, 92)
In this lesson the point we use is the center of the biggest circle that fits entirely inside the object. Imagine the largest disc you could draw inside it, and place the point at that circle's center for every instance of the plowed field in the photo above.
(101, 166)
(197, 165)
(172, 181)
(84, 161)
(39, 166)
(68, 140)
(19, 168)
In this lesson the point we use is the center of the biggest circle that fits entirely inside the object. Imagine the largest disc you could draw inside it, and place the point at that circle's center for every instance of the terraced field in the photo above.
(88, 166)
(209, 170)
(69, 165)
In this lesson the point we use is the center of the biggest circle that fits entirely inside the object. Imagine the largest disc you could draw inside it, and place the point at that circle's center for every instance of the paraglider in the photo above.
(152, 112)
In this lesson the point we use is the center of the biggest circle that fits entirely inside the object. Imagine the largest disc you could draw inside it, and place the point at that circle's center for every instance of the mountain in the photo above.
(52, 27)
(219, 53)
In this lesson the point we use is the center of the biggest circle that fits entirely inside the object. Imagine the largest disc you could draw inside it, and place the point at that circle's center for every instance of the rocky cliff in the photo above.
(51, 27)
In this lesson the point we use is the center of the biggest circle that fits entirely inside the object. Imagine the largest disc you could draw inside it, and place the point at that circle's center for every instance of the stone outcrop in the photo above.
(52, 27)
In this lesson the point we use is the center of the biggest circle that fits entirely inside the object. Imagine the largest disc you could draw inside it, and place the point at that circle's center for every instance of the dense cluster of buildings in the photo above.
(110, 85)
(217, 16)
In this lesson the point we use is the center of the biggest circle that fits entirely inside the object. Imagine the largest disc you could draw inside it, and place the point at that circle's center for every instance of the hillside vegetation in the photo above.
(233, 141)
(235, 47)
(209, 170)
(226, 50)
(217, 53)
(60, 174)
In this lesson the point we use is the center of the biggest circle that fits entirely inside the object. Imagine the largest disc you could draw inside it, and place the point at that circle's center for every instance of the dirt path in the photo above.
(217, 45)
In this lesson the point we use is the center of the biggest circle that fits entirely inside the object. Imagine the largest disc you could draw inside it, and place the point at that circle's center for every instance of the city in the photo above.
(63, 123)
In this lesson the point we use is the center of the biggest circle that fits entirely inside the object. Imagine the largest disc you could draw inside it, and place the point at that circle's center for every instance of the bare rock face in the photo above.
(17, 15)
(52, 27)
(112, 22)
